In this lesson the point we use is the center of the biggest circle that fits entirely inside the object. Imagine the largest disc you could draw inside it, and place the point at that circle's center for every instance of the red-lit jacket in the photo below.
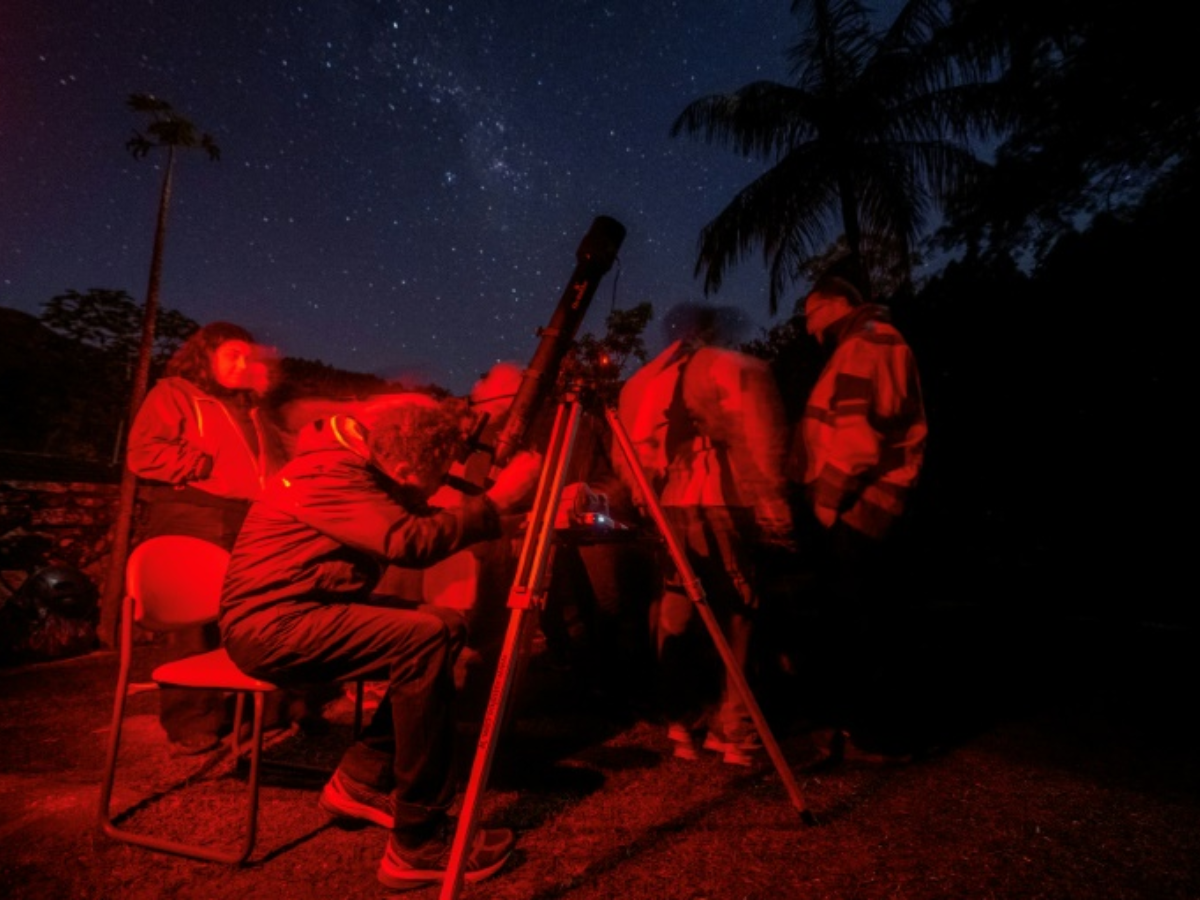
(182, 435)
(328, 524)
(860, 443)
(712, 433)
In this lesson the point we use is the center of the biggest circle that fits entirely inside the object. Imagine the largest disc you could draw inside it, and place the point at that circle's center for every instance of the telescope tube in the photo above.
(594, 258)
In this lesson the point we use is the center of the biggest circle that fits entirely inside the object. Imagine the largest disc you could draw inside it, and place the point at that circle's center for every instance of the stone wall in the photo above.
(45, 523)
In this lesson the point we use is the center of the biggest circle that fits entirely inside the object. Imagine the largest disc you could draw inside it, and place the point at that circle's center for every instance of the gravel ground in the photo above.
(1058, 765)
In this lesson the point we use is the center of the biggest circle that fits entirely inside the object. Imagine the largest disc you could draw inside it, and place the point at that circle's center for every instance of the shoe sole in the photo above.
(685, 751)
(731, 755)
(415, 878)
(339, 806)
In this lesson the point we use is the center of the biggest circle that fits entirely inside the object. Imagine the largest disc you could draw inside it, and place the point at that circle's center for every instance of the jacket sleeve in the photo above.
(852, 439)
(163, 441)
(352, 507)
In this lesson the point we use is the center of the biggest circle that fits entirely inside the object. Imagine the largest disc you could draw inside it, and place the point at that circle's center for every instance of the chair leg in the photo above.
(255, 767)
(118, 717)
(193, 851)
(235, 739)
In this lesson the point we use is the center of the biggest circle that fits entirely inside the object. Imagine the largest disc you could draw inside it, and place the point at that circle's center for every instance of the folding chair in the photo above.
(173, 582)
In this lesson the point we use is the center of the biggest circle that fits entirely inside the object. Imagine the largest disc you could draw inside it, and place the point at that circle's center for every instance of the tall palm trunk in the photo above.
(114, 583)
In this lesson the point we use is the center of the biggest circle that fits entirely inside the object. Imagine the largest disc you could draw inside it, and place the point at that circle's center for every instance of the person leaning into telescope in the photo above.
(298, 608)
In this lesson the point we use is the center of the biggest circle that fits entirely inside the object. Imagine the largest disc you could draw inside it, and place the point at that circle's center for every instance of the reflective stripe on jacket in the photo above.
(180, 427)
(861, 440)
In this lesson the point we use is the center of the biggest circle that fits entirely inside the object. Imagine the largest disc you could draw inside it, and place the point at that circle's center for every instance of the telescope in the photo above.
(594, 258)
(556, 509)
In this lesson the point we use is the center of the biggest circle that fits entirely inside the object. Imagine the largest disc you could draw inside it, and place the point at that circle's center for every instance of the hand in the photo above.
(516, 480)
(446, 497)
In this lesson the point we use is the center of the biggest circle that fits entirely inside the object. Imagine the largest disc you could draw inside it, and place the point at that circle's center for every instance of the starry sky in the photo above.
(402, 185)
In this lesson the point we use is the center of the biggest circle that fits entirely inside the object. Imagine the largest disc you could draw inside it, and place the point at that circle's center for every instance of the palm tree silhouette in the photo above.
(168, 130)
(872, 133)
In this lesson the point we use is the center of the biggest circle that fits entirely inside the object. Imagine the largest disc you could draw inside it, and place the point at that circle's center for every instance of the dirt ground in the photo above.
(1058, 765)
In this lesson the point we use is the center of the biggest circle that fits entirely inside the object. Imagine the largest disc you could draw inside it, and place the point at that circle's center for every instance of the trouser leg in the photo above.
(681, 675)
(414, 650)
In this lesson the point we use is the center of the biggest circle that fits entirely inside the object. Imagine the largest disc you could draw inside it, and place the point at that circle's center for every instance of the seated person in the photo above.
(298, 608)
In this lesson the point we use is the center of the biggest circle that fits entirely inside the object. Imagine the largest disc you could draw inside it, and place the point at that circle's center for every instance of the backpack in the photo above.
(661, 423)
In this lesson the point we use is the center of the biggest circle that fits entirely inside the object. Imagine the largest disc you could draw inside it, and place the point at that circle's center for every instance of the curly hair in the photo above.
(424, 437)
(193, 361)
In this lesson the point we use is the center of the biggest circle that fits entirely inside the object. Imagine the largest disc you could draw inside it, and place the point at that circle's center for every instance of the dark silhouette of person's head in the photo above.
(843, 278)
(704, 324)
(836, 286)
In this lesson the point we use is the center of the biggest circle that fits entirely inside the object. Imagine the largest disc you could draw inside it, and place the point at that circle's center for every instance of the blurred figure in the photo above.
(604, 575)
(203, 447)
(594, 614)
(493, 394)
(856, 454)
(299, 607)
(707, 423)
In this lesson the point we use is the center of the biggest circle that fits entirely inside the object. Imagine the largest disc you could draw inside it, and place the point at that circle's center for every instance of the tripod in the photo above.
(528, 593)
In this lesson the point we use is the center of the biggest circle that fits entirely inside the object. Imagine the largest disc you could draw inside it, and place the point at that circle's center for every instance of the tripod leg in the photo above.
(524, 595)
(695, 592)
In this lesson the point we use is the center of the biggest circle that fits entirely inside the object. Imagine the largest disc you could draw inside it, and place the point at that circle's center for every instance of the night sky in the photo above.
(402, 186)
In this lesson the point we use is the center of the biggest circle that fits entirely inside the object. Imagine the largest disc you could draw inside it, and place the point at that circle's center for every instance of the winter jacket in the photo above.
(184, 436)
(714, 418)
(860, 443)
(329, 522)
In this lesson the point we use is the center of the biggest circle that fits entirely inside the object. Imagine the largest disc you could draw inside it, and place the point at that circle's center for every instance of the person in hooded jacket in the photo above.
(855, 457)
(299, 606)
(202, 448)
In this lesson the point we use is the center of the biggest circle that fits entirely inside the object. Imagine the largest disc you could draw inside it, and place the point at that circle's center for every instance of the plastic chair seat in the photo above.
(174, 582)
(213, 670)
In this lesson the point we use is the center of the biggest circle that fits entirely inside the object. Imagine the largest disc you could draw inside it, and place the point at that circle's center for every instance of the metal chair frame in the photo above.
(159, 599)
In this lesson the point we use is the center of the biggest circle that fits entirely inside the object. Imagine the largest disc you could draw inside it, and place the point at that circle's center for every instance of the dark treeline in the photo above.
(1056, 464)
(1051, 349)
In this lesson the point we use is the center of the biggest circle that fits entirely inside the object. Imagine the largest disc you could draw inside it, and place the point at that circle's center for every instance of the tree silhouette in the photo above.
(600, 361)
(111, 321)
(170, 131)
(104, 326)
(872, 133)
(1109, 111)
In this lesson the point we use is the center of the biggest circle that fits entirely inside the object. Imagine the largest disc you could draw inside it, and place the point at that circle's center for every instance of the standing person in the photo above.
(202, 447)
(298, 607)
(708, 426)
(856, 454)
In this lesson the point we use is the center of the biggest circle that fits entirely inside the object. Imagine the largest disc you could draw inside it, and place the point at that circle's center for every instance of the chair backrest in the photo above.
(175, 581)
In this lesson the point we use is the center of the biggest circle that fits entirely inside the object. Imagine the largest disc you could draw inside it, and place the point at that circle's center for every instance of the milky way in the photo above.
(402, 187)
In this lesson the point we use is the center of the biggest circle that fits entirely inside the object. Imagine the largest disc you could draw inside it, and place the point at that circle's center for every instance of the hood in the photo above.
(333, 432)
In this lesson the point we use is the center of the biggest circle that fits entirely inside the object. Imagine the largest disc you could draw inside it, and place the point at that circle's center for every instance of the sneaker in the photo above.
(345, 798)
(683, 742)
(735, 753)
(403, 867)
